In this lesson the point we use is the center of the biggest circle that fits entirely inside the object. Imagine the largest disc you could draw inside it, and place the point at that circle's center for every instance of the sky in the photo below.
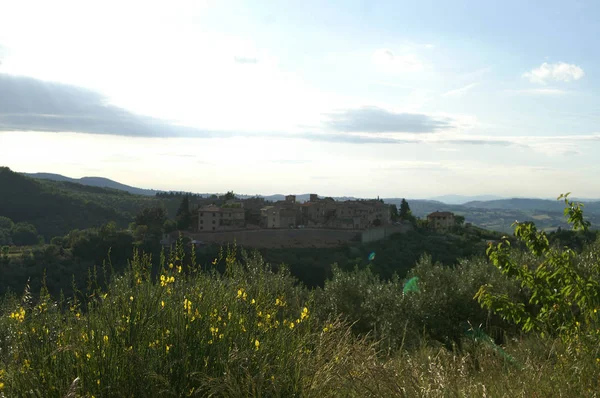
(357, 98)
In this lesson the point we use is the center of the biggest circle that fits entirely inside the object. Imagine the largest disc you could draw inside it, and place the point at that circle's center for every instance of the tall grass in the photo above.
(185, 331)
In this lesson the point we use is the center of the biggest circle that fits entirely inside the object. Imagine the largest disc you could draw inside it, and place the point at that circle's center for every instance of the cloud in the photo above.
(391, 62)
(371, 119)
(245, 60)
(459, 92)
(539, 91)
(28, 104)
(558, 72)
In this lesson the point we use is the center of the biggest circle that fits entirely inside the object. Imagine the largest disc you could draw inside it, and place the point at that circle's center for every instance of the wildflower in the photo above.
(98, 381)
(291, 325)
(105, 338)
(88, 355)
(179, 269)
(239, 293)
(214, 261)
(130, 298)
(304, 313)
(167, 348)
(1, 386)
(253, 301)
(256, 344)
(18, 315)
(171, 265)
(162, 304)
(187, 306)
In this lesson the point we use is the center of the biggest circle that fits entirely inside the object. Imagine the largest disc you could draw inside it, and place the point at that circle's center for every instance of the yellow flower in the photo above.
(162, 304)
(105, 338)
(88, 355)
(18, 315)
(98, 381)
(214, 261)
(304, 313)
(171, 265)
(256, 344)
(1, 386)
(130, 298)
(253, 301)
(179, 269)
(291, 325)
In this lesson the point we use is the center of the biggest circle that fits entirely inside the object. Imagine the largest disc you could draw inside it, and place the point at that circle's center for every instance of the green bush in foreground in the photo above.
(254, 332)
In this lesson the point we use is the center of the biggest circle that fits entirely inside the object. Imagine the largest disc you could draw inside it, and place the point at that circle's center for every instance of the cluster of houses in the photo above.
(315, 213)
(288, 213)
(325, 213)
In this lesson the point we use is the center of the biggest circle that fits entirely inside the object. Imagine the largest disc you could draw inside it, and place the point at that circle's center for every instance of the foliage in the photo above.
(442, 308)
(563, 288)
(255, 332)
(184, 215)
(149, 224)
(394, 213)
(404, 209)
(229, 195)
(55, 208)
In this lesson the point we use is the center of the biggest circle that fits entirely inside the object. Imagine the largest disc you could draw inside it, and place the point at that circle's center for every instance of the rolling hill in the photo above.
(94, 182)
(57, 207)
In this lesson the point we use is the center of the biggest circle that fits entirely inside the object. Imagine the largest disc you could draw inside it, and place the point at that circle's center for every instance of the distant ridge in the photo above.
(94, 182)
(462, 199)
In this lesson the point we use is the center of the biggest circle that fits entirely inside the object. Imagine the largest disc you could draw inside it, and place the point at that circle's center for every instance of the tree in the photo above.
(459, 220)
(229, 195)
(394, 213)
(24, 234)
(169, 226)
(153, 219)
(183, 215)
(6, 223)
(564, 287)
(404, 209)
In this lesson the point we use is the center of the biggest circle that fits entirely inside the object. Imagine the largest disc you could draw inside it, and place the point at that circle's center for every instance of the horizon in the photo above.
(448, 199)
(388, 99)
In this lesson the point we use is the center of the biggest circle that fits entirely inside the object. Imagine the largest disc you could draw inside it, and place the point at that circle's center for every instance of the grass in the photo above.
(249, 332)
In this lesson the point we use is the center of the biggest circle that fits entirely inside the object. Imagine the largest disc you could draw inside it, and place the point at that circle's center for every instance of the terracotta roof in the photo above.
(440, 214)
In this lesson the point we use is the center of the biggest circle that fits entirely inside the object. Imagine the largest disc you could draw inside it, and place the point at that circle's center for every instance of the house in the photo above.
(441, 220)
(279, 216)
(215, 218)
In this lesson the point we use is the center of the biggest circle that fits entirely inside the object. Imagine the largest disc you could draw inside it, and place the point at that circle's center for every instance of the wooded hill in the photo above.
(57, 207)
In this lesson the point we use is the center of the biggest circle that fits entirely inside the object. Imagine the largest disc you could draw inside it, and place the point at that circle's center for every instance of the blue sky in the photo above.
(361, 98)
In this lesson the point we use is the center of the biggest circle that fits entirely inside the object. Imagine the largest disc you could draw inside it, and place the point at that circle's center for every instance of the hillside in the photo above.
(94, 182)
(498, 215)
(57, 207)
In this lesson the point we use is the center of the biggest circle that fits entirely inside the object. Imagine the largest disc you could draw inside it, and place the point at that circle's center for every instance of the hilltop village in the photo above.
(289, 213)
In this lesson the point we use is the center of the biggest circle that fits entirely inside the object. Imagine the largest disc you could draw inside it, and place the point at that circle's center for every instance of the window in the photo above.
(213, 228)
(201, 227)
(201, 214)
(201, 221)
(214, 214)
(213, 223)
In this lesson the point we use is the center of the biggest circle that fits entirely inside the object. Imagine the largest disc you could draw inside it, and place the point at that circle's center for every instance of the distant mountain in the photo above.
(94, 182)
(462, 199)
(531, 204)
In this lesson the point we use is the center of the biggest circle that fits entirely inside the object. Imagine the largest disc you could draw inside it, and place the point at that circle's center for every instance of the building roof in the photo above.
(440, 214)
(210, 208)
